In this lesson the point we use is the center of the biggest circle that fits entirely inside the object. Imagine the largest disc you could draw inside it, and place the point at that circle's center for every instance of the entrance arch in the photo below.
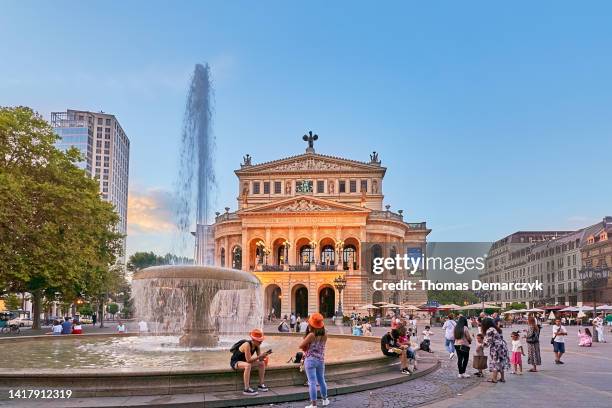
(377, 296)
(273, 300)
(327, 301)
(299, 296)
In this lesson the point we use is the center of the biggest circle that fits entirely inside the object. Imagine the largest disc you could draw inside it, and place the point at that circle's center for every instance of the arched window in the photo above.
(376, 252)
(223, 257)
(392, 254)
(349, 254)
(306, 255)
(328, 255)
(237, 258)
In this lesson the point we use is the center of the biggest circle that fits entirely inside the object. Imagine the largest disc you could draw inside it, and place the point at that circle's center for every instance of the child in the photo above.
(586, 340)
(480, 360)
(426, 343)
(517, 352)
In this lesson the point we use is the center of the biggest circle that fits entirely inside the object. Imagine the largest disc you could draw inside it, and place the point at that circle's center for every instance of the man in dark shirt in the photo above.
(66, 326)
(391, 348)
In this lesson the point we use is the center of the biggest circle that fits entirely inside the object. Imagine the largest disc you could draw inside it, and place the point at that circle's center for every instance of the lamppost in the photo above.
(482, 295)
(594, 278)
(340, 284)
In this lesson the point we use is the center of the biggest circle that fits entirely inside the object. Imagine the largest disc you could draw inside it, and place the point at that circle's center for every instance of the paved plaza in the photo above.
(584, 380)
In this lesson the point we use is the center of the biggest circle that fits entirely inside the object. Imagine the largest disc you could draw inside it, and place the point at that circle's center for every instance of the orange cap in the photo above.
(257, 335)
(316, 321)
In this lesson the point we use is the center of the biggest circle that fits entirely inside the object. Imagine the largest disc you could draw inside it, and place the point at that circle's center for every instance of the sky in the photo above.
(490, 117)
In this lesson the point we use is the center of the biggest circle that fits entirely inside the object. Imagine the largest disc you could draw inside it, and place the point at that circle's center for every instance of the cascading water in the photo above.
(198, 302)
(196, 167)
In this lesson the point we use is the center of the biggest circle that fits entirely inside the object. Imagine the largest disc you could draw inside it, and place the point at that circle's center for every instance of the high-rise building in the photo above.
(105, 149)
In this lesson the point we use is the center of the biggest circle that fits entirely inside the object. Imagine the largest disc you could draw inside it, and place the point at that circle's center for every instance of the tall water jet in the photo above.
(196, 167)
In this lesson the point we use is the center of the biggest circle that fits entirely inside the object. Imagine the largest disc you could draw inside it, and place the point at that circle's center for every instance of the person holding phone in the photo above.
(246, 354)
(314, 358)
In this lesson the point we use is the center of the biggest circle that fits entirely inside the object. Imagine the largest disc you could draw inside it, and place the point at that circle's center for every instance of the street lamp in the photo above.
(482, 295)
(594, 278)
(340, 284)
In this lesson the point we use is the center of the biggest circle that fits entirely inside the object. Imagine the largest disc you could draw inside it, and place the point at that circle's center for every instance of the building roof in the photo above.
(311, 162)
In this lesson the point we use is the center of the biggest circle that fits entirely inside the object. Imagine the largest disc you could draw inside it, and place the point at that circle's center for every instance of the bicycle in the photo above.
(11, 329)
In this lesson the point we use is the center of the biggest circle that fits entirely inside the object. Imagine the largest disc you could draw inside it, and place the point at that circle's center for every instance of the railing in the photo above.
(324, 267)
(299, 268)
(226, 217)
(386, 215)
(272, 268)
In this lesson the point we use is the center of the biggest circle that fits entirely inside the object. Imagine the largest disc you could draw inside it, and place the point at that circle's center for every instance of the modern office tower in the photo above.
(106, 154)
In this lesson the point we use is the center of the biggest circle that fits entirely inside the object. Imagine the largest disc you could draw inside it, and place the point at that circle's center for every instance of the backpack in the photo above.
(297, 359)
(237, 345)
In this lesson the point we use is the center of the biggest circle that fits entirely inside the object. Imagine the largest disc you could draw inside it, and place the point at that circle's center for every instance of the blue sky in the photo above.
(490, 117)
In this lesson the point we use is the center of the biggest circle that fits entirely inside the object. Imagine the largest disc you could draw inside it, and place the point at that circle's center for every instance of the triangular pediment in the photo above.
(311, 163)
(303, 204)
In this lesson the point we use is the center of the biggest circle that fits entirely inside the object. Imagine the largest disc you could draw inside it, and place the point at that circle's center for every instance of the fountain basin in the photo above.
(348, 357)
(197, 301)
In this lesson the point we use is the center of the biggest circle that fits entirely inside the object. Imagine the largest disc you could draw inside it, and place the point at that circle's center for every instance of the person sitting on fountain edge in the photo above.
(390, 347)
(247, 354)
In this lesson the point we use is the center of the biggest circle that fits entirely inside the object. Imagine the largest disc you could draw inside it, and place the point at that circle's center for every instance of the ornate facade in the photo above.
(302, 221)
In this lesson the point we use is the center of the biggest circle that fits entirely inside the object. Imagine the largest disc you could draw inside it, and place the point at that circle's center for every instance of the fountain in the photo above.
(197, 302)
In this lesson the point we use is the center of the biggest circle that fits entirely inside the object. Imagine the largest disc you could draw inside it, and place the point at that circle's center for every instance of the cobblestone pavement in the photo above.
(584, 380)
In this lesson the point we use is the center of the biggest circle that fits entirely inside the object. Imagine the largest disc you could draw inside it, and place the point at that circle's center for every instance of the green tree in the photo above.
(12, 302)
(54, 226)
(516, 306)
(141, 260)
(458, 297)
(112, 308)
(86, 309)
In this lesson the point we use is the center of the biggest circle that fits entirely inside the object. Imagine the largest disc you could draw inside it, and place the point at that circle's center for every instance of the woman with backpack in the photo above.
(246, 354)
(533, 344)
(314, 358)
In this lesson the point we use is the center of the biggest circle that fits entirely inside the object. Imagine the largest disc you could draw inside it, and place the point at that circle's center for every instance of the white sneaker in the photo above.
(459, 375)
(311, 406)
(466, 375)
(451, 356)
(325, 402)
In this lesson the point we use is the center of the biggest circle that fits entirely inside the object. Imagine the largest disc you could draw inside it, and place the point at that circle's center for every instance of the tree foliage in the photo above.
(141, 260)
(12, 302)
(57, 236)
(458, 297)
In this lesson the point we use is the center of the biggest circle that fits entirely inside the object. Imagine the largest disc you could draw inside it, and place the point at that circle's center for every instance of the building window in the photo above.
(256, 187)
(99, 121)
(303, 186)
(353, 186)
(278, 187)
(108, 122)
(237, 258)
(266, 187)
(342, 186)
(306, 255)
(364, 186)
(223, 257)
(320, 186)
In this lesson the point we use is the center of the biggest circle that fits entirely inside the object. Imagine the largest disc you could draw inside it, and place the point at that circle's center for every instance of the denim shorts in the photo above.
(559, 347)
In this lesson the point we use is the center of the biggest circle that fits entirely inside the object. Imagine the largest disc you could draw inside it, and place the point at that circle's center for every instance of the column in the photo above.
(317, 251)
(245, 249)
(228, 254)
(293, 249)
(269, 246)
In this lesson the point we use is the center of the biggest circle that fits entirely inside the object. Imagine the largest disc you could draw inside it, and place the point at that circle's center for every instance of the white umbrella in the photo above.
(391, 305)
(534, 310)
(409, 307)
(569, 309)
(451, 306)
(585, 308)
(365, 307)
(604, 307)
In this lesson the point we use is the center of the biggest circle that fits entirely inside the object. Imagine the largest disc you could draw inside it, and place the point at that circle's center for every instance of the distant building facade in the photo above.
(554, 258)
(105, 149)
